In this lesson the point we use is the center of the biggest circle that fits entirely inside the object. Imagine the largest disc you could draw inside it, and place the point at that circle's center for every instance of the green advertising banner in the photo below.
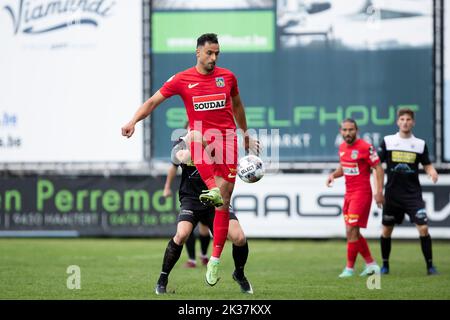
(240, 31)
(84, 206)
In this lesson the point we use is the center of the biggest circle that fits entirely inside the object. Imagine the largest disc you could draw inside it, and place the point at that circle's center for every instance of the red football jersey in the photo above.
(207, 98)
(356, 161)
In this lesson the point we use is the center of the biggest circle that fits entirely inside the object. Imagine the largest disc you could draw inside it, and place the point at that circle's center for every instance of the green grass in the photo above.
(294, 269)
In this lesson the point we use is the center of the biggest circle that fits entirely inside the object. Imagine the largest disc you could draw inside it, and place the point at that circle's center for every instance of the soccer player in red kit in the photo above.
(357, 158)
(211, 97)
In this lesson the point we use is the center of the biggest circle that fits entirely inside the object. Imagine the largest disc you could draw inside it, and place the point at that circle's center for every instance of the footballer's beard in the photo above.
(349, 139)
(210, 66)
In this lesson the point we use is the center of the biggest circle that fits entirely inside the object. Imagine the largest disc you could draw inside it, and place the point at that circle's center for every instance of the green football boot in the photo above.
(212, 272)
(211, 197)
(347, 273)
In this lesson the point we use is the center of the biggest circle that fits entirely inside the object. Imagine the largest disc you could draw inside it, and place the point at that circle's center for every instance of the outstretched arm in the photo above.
(144, 110)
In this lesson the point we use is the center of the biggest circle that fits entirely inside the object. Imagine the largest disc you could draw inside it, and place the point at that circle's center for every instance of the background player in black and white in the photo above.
(402, 153)
(192, 212)
(203, 231)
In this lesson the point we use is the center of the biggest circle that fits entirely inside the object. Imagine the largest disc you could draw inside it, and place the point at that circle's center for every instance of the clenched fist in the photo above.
(128, 129)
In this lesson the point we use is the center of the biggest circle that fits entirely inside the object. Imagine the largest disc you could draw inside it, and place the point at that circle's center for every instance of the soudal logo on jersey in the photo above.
(209, 102)
(350, 168)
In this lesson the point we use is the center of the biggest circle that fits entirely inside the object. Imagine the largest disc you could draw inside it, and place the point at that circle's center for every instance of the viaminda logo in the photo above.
(37, 17)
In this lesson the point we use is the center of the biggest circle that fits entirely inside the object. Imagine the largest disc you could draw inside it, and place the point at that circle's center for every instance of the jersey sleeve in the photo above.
(373, 158)
(425, 157)
(170, 87)
(234, 86)
(382, 153)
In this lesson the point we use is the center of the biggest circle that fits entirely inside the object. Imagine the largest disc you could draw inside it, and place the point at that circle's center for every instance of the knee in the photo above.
(423, 230)
(203, 230)
(387, 232)
(238, 238)
(180, 238)
(183, 156)
(352, 234)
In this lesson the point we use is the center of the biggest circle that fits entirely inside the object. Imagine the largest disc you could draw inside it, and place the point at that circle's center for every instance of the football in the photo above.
(250, 169)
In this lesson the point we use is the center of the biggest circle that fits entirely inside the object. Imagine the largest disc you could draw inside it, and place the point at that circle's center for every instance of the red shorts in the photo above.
(224, 154)
(357, 209)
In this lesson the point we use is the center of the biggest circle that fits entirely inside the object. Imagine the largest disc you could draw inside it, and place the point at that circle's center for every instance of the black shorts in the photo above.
(394, 213)
(205, 216)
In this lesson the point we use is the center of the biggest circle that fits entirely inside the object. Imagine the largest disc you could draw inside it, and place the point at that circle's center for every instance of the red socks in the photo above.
(203, 164)
(360, 246)
(364, 250)
(352, 253)
(221, 218)
(221, 221)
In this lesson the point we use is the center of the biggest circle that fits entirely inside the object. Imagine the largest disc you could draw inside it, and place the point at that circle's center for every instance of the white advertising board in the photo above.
(70, 77)
(300, 205)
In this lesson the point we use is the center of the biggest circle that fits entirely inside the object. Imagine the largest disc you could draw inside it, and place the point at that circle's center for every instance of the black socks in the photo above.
(426, 250)
(171, 256)
(385, 250)
(204, 243)
(240, 255)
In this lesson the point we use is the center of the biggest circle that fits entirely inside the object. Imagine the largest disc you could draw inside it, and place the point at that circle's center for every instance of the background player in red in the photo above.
(211, 97)
(357, 157)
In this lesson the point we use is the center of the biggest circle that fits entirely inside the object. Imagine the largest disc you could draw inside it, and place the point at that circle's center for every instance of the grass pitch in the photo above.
(277, 269)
